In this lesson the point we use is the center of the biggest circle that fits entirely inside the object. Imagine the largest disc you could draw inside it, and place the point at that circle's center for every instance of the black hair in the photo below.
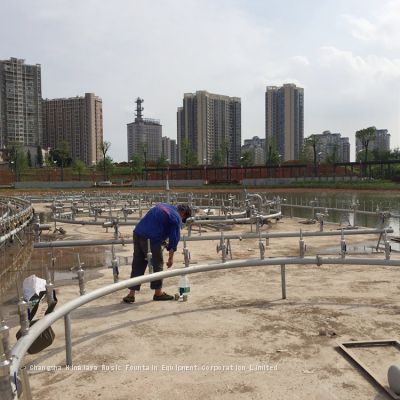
(187, 211)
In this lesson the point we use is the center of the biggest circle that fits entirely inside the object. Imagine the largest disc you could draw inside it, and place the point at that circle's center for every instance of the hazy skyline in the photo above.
(344, 53)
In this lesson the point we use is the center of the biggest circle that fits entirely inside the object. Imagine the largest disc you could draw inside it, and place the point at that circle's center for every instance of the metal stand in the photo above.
(26, 387)
(283, 280)
(68, 340)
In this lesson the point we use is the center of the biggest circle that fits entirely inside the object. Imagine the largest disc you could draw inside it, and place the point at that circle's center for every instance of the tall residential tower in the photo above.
(20, 103)
(284, 121)
(144, 136)
(78, 121)
(208, 123)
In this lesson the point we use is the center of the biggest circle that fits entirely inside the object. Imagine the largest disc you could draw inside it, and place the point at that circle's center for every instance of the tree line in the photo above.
(19, 159)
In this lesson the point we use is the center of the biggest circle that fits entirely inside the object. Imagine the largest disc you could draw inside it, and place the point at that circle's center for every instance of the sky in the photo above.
(344, 53)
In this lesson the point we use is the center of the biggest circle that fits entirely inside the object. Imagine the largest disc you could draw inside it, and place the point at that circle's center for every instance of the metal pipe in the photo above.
(232, 221)
(6, 387)
(258, 197)
(388, 247)
(25, 342)
(6, 236)
(23, 307)
(186, 254)
(270, 235)
(266, 235)
(302, 245)
(5, 336)
(77, 243)
(78, 222)
(343, 246)
(149, 256)
(80, 272)
(343, 210)
(49, 283)
(114, 265)
(26, 387)
(222, 247)
(283, 280)
(81, 280)
(261, 246)
(217, 217)
(68, 340)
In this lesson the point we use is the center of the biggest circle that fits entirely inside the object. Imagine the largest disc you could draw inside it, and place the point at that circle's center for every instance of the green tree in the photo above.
(247, 159)
(272, 157)
(312, 142)
(61, 156)
(145, 149)
(162, 162)
(365, 136)
(272, 153)
(395, 154)
(333, 155)
(78, 168)
(225, 152)
(17, 159)
(137, 164)
(188, 156)
(39, 156)
(361, 156)
(104, 147)
(107, 166)
(29, 158)
(217, 159)
(381, 155)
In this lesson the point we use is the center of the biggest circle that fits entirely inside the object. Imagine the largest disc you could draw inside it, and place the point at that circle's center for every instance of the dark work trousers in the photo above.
(139, 262)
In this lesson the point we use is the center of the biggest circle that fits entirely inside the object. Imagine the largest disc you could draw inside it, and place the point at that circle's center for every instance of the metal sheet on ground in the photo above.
(374, 357)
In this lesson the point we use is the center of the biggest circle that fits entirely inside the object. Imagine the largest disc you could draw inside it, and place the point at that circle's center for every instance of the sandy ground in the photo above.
(235, 338)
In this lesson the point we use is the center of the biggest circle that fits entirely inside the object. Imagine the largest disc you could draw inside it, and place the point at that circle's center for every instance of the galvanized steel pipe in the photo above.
(26, 341)
(265, 235)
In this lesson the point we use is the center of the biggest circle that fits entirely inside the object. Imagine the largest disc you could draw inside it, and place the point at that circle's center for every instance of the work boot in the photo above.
(163, 297)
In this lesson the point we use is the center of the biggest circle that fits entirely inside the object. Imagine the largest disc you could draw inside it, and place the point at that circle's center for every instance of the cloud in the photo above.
(160, 49)
(301, 60)
(351, 91)
(157, 50)
(372, 66)
(383, 30)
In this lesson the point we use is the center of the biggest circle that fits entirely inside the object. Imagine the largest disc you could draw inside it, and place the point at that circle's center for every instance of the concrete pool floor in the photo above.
(234, 338)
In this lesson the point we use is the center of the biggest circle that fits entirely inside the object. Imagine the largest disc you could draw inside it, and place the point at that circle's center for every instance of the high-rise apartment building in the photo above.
(144, 136)
(77, 121)
(256, 146)
(284, 120)
(208, 123)
(380, 143)
(169, 149)
(330, 147)
(20, 103)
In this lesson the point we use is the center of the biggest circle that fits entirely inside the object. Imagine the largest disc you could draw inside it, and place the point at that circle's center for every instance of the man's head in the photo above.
(184, 211)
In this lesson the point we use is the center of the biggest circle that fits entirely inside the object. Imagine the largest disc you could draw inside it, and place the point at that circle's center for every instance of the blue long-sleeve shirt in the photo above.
(161, 222)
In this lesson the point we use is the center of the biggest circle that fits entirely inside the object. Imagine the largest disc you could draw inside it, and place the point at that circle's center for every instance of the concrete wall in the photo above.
(53, 185)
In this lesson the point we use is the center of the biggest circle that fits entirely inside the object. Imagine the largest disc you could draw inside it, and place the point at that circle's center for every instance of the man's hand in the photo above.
(170, 261)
